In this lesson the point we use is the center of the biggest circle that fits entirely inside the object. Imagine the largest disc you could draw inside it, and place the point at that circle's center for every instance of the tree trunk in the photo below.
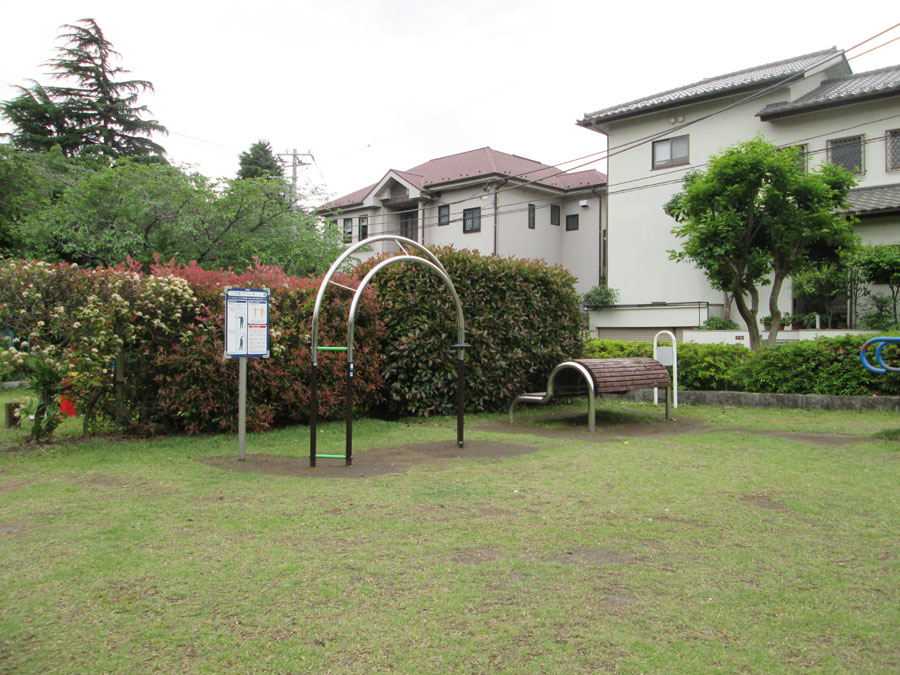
(749, 314)
(774, 312)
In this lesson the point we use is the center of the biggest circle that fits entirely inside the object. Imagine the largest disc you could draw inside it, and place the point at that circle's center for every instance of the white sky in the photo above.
(370, 85)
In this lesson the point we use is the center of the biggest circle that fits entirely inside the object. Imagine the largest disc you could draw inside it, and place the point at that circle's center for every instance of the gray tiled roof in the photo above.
(871, 200)
(840, 91)
(749, 78)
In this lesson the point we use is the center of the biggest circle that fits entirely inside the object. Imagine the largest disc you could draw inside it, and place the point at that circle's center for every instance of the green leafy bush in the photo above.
(522, 319)
(164, 330)
(616, 349)
(822, 366)
(600, 297)
(719, 323)
(709, 367)
(828, 366)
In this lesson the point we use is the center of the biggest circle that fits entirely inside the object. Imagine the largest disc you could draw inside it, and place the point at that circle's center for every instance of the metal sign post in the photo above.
(246, 336)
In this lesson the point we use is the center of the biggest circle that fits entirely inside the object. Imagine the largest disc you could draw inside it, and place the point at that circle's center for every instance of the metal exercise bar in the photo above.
(314, 333)
(881, 343)
(460, 345)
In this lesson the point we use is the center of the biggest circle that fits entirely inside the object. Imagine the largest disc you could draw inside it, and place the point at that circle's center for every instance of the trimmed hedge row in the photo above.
(828, 366)
(522, 319)
(165, 330)
(162, 330)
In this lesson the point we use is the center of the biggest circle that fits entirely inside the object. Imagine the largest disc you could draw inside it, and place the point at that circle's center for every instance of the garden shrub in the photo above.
(523, 318)
(822, 366)
(709, 367)
(617, 349)
(165, 330)
(828, 366)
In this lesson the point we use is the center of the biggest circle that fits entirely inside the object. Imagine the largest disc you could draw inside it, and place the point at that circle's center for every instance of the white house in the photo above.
(487, 201)
(813, 101)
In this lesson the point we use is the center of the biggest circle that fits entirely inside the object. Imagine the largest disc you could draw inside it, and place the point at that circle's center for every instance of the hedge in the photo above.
(522, 319)
(165, 329)
(827, 366)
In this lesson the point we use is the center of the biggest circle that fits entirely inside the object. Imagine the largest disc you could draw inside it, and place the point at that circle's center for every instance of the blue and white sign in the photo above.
(246, 322)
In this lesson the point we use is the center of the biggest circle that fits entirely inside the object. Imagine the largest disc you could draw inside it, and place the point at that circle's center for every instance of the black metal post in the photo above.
(313, 412)
(460, 401)
(348, 455)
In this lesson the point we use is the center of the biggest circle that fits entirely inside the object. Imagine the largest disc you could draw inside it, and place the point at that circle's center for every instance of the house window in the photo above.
(444, 214)
(847, 152)
(893, 150)
(670, 152)
(348, 230)
(572, 222)
(363, 227)
(554, 214)
(531, 215)
(472, 220)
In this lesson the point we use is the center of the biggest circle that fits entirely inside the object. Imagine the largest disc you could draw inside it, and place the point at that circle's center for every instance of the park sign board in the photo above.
(246, 322)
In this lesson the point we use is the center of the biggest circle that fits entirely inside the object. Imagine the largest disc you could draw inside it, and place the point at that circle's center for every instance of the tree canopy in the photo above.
(755, 217)
(91, 111)
(260, 162)
(61, 210)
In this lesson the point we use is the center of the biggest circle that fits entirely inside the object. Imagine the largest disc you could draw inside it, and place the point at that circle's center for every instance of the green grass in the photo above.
(715, 550)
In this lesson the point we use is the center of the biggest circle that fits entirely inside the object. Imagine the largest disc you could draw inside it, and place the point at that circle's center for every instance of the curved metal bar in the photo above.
(336, 265)
(881, 343)
(531, 398)
(674, 346)
(442, 273)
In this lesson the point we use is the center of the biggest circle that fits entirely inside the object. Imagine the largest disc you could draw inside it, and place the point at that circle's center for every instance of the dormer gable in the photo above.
(395, 187)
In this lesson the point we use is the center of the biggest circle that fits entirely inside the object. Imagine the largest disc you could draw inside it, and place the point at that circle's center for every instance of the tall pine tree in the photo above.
(260, 162)
(90, 112)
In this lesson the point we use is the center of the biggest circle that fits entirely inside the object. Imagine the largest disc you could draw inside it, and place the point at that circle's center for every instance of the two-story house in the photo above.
(814, 101)
(487, 201)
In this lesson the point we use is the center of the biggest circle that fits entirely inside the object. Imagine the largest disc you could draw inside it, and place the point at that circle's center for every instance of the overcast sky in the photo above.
(370, 85)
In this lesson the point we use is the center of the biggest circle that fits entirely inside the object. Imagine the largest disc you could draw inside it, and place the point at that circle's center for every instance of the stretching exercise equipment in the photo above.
(595, 376)
(430, 261)
(881, 343)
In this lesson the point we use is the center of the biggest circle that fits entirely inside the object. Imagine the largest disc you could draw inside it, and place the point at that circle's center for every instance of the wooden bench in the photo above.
(589, 377)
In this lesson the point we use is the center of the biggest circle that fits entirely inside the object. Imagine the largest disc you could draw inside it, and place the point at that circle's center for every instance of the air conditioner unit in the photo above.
(583, 203)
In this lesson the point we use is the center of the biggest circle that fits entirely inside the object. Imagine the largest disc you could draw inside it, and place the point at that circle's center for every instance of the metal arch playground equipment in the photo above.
(881, 343)
(430, 261)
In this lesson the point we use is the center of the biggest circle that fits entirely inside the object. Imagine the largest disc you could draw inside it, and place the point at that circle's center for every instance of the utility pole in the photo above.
(296, 163)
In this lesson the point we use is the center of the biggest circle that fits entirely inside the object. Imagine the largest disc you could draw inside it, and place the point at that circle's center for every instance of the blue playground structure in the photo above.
(881, 342)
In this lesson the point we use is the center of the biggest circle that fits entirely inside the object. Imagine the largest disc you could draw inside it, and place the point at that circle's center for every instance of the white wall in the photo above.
(576, 250)
(640, 233)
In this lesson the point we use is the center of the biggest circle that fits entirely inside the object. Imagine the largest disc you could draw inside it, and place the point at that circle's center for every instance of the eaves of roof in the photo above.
(858, 88)
(729, 84)
(877, 200)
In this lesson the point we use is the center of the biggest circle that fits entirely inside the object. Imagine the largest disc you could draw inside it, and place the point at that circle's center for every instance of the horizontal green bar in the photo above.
(332, 349)
(331, 456)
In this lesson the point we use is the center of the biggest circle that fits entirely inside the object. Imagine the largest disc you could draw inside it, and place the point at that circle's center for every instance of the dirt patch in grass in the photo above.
(476, 556)
(594, 556)
(763, 502)
(370, 462)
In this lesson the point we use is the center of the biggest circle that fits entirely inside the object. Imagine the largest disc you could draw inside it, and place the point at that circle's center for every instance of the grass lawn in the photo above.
(731, 539)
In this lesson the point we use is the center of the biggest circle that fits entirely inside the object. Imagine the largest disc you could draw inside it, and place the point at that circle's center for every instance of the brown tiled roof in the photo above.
(749, 78)
(839, 91)
(874, 200)
(482, 162)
